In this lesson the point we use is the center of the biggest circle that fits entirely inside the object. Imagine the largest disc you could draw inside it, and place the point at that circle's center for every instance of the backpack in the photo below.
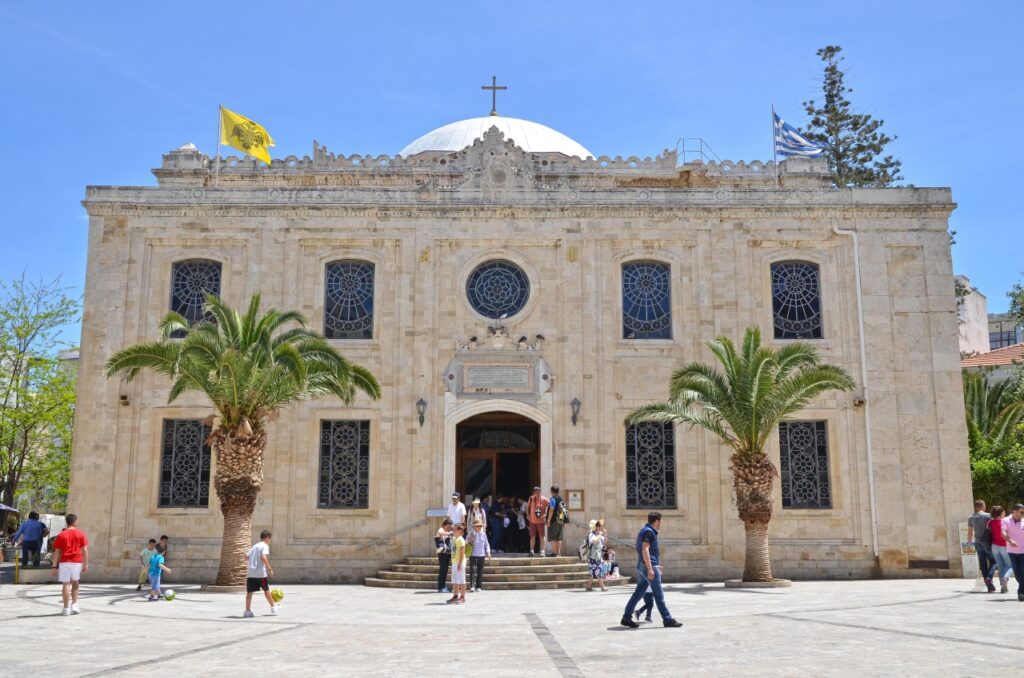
(584, 549)
(561, 513)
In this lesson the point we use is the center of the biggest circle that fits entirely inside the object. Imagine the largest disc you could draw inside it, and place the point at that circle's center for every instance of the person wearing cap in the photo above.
(537, 510)
(481, 550)
(558, 516)
(457, 510)
(1013, 525)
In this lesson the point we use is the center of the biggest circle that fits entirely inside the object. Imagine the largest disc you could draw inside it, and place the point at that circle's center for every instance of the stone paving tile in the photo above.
(865, 628)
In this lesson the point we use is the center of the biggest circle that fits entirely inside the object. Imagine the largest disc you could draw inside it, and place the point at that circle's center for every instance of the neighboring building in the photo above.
(999, 364)
(1004, 331)
(972, 315)
(497, 275)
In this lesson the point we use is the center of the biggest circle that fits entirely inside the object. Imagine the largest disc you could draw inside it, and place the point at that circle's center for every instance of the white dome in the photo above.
(529, 136)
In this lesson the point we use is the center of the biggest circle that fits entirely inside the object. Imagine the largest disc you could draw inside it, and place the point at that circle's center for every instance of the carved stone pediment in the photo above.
(495, 163)
(498, 363)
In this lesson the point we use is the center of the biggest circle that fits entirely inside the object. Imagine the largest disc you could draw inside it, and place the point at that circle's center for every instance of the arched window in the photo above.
(498, 289)
(191, 280)
(796, 300)
(646, 300)
(348, 300)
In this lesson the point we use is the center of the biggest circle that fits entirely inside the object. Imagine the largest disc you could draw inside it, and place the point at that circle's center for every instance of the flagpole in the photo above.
(775, 149)
(216, 166)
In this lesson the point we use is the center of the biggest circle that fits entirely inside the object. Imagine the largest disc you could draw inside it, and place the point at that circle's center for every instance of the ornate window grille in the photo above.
(185, 464)
(804, 465)
(646, 300)
(348, 300)
(498, 289)
(650, 466)
(796, 300)
(344, 464)
(190, 282)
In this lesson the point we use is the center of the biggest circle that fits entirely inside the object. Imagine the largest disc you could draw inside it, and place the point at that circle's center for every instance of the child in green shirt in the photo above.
(459, 566)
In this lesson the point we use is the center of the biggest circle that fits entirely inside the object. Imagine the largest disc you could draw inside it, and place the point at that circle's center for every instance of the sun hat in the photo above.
(593, 524)
(478, 522)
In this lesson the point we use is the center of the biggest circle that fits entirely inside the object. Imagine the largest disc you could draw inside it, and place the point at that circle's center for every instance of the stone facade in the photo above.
(425, 222)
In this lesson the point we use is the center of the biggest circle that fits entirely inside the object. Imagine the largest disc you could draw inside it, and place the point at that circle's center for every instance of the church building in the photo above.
(516, 296)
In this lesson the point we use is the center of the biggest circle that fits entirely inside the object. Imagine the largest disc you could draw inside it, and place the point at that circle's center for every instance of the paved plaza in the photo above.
(861, 628)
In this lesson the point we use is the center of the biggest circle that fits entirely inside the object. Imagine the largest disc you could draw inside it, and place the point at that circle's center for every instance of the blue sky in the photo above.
(93, 93)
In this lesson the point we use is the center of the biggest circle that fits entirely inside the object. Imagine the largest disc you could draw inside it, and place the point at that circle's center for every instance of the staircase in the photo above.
(501, 573)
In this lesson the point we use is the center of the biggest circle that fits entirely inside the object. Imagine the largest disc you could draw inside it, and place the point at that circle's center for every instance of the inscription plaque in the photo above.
(498, 378)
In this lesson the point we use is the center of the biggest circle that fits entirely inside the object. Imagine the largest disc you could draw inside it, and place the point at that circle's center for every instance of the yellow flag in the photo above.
(242, 133)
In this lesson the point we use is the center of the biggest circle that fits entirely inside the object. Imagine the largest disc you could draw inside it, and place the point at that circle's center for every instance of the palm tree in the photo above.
(250, 367)
(743, 405)
(992, 412)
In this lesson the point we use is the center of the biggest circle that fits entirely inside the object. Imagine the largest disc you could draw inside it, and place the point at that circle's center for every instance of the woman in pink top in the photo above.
(999, 553)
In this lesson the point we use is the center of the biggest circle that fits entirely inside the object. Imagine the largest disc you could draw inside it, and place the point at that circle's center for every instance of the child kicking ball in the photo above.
(257, 578)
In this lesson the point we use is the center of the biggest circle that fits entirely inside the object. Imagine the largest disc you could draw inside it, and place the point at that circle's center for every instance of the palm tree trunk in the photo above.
(238, 480)
(753, 480)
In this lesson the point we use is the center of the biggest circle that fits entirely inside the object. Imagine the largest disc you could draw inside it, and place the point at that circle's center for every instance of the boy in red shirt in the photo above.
(70, 560)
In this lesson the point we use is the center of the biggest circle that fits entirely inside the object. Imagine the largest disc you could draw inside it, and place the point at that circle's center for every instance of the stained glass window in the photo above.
(796, 300)
(190, 282)
(348, 300)
(498, 289)
(646, 301)
(650, 465)
(804, 465)
(185, 464)
(344, 464)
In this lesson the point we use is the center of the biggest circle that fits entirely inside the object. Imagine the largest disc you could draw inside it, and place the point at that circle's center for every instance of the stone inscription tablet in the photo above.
(498, 378)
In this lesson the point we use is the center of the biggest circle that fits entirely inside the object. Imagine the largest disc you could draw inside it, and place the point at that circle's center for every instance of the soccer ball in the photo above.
(277, 595)
(169, 594)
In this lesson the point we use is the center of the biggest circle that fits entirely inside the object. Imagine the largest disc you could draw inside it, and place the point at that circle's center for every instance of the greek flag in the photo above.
(788, 141)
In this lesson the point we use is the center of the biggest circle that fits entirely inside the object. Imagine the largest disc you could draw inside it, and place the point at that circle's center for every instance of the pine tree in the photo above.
(854, 140)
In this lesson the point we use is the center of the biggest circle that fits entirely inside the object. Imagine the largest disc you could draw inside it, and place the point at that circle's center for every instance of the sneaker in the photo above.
(66, 612)
(532, 553)
(637, 614)
(671, 623)
(139, 587)
(647, 619)
(1020, 597)
(461, 601)
(990, 586)
(75, 609)
(151, 598)
(626, 621)
(444, 590)
(453, 599)
(248, 614)
(275, 609)
(1003, 585)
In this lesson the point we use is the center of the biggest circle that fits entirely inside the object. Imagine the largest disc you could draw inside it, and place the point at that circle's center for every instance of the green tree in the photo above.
(742, 404)
(250, 366)
(995, 438)
(37, 393)
(854, 141)
(1016, 295)
(992, 412)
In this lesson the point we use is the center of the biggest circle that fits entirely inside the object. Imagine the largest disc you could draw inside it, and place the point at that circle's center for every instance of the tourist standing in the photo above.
(979, 533)
(156, 571)
(595, 550)
(70, 562)
(456, 510)
(496, 519)
(481, 551)
(30, 535)
(1014, 525)
(459, 566)
(476, 513)
(648, 573)
(258, 573)
(443, 543)
(523, 533)
(145, 555)
(558, 516)
(537, 509)
(1000, 557)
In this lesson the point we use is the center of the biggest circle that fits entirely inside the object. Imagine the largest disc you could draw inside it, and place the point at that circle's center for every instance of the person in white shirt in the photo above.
(481, 550)
(258, 574)
(457, 510)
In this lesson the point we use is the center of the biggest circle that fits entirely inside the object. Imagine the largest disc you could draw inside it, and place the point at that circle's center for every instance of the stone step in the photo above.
(488, 576)
(496, 586)
(509, 561)
(498, 569)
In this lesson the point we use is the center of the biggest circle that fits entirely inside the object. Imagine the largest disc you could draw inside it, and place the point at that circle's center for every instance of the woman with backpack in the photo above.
(594, 549)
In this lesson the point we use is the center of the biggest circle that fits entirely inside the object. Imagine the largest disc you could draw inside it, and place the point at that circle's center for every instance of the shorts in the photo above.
(555, 531)
(254, 584)
(459, 577)
(536, 530)
(154, 582)
(69, 572)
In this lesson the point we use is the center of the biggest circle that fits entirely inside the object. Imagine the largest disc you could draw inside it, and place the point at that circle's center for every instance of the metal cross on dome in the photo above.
(494, 87)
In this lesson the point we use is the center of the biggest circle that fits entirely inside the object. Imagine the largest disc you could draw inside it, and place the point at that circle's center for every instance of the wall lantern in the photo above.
(421, 409)
(575, 405)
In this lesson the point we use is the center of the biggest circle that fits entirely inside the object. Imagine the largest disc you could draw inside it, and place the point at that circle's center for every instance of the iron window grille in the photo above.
(646, 300)
(650, 466)
(796, 300)
(498, 289)
(348, 300)
(185, 464)
(803, 465)
(344, 465)
(191, 281)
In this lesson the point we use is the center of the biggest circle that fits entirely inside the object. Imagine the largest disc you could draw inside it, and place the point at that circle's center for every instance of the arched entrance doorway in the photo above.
(497, 453)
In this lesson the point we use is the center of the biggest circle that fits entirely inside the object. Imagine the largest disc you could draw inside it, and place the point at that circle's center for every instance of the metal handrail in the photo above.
(610, 538)
(393, 534)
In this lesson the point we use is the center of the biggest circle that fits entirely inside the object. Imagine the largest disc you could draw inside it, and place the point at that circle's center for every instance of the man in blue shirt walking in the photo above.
(30, 535)
(648, 573)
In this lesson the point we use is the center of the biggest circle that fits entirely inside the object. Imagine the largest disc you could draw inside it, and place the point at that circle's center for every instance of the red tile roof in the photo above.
(1000, 356)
